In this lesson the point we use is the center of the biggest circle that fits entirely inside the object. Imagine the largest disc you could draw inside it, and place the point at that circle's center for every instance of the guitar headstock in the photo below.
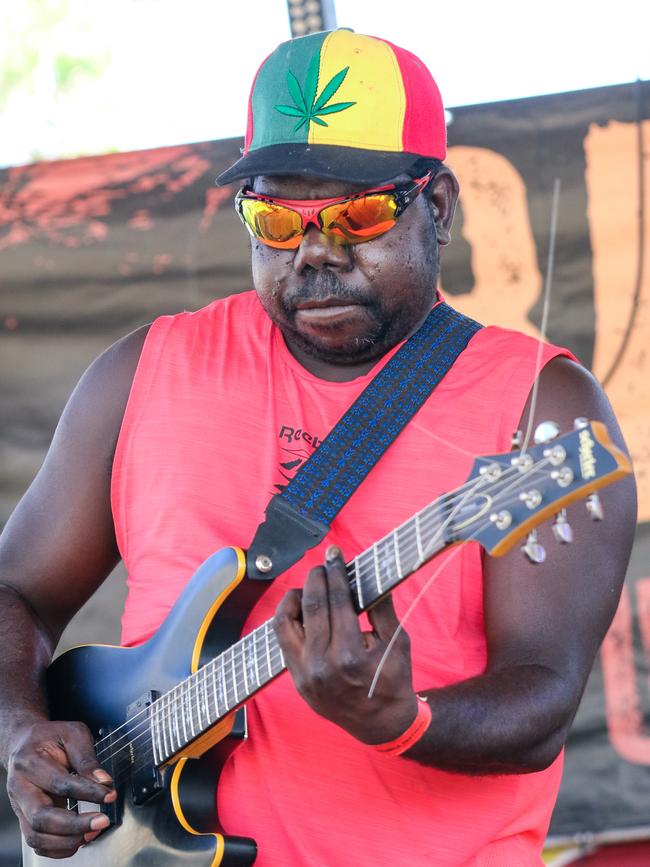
(506, 496)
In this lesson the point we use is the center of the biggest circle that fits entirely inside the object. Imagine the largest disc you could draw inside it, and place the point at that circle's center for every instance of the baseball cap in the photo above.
(341, 105)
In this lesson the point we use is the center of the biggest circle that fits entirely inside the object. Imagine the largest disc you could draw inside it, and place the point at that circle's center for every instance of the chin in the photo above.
(355, 350)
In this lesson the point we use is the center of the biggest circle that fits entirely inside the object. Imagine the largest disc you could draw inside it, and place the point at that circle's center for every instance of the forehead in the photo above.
(313, 186)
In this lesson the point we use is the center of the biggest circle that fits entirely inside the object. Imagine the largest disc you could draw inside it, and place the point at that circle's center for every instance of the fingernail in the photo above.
(102, 776)
(332, 553)
(99, 822)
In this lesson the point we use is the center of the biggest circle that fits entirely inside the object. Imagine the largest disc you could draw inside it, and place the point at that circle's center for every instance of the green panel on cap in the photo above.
(274, 87)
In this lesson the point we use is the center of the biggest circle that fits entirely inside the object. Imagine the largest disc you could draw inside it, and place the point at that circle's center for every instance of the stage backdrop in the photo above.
(92, 248)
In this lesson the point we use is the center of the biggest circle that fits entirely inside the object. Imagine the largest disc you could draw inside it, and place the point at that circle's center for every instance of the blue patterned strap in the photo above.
(300, 517)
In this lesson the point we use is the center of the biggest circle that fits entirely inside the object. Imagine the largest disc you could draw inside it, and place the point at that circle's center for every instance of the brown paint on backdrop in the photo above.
(496, 225)
(612, 179)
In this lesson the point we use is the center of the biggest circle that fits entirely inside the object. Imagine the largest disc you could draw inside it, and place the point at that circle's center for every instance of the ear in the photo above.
(444, 195)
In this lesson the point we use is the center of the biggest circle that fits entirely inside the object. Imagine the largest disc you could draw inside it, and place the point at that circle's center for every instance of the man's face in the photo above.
(347, 305)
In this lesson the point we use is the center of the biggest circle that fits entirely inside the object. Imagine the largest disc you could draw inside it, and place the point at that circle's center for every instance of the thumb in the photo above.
(383, 618)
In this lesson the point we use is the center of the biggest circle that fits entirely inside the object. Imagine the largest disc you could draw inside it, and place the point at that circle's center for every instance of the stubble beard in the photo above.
(385, 328)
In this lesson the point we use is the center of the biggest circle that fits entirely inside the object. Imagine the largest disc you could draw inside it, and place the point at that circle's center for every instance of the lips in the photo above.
(319, 304)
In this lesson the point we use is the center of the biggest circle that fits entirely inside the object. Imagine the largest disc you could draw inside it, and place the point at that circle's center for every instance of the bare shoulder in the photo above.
(558, 612)
(59, 544)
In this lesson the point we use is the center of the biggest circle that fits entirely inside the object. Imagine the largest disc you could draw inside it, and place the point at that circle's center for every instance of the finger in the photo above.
(80, 748)
(50, 845)
(287, 624)
(315, 612)
(47, 774)
(383, 618)
(44, 818)
(344, 623)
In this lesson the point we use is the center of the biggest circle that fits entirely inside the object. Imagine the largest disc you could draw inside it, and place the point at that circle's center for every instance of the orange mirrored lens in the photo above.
(276, 225)
(359, 219)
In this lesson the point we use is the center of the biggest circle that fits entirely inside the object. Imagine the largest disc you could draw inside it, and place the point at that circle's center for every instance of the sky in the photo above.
(180, 70)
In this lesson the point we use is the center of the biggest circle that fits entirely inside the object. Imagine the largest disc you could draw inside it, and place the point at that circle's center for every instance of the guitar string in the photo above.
(187, 699)
(545, 311)
(191, 702)
(276, 656)
(277, 651)
(369, 555)
(450, 499)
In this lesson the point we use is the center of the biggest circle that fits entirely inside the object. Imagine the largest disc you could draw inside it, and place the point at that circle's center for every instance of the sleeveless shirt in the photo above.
(219, 418)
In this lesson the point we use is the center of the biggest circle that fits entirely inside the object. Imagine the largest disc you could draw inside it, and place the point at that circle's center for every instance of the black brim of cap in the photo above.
(327, 161)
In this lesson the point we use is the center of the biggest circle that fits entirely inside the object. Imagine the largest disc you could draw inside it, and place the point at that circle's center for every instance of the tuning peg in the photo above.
(562, 529)
(516, 439)
(579, 423)
(545, 432)
(595, 508)
(533, 549)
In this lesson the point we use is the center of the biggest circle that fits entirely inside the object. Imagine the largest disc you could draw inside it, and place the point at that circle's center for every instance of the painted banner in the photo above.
(91, 248)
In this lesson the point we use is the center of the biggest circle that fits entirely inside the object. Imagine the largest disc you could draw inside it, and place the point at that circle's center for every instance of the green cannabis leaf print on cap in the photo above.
(307, 107)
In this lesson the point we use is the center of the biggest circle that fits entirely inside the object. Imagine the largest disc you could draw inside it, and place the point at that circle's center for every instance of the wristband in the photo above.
(412, 734)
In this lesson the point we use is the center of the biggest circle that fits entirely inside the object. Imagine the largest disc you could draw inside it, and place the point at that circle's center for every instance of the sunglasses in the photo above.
(281, 223)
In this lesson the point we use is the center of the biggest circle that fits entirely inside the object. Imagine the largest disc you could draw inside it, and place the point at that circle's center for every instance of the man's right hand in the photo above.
(49, 762)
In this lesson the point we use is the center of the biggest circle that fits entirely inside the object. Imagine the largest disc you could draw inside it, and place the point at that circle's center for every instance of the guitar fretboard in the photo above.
(200, 701)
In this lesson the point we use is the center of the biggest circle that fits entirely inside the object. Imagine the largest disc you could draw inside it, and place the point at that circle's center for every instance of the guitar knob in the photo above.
(595, 508)
(545, 432)
(562, 529)
(516, 440)
(534, 550)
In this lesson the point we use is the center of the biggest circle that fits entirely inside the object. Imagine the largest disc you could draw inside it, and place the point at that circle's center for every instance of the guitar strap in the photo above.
(300, 517)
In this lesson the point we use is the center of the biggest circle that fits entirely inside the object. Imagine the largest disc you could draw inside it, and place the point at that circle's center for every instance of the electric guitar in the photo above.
(166, 714)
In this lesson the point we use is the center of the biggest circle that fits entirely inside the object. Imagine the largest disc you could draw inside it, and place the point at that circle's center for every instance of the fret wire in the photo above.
(183, 719)
(234, 675)
(358, 584)
(213, 671)
(188, 704)
(257, 670)
(224, 683)
(158, 734)
(243, 651)
(268, 650)
(171, 706)
(398, 562)
(164, 728)
(175, 722)
(418, 538)
(194, 686)
(376, 559)
(206, 697)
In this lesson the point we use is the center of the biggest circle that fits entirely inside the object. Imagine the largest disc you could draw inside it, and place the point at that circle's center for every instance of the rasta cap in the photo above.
(340, 105)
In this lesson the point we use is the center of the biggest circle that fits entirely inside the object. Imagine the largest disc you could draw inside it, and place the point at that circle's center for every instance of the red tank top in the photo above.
(220, 417)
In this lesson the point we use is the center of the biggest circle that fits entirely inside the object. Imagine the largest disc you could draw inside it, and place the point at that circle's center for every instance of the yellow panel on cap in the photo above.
(373, 82)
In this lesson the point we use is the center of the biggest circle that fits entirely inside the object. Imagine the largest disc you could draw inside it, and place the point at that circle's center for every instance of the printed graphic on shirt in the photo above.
(297, 446)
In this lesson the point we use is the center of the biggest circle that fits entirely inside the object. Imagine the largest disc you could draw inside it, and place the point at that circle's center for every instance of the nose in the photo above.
(318, 251)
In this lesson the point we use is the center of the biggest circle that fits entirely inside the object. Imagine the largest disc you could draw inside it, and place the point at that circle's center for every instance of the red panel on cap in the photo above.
(424, 131)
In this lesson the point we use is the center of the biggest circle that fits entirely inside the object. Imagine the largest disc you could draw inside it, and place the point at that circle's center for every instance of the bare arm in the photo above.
(544, 625)
(57, 548)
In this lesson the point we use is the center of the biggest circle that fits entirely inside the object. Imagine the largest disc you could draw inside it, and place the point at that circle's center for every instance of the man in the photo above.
(456, 757)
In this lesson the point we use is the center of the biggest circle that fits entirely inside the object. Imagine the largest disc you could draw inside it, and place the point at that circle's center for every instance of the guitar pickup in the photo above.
(146, 779)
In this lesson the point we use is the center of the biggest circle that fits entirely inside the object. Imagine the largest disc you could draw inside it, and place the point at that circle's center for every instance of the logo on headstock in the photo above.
(586, 454)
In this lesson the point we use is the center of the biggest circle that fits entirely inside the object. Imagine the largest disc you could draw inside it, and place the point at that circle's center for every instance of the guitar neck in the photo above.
(200, 701)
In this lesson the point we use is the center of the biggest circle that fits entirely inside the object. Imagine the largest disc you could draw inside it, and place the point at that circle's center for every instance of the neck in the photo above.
(327, 370)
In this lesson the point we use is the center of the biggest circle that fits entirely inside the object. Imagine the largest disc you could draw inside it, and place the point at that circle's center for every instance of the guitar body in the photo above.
(177, 824)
